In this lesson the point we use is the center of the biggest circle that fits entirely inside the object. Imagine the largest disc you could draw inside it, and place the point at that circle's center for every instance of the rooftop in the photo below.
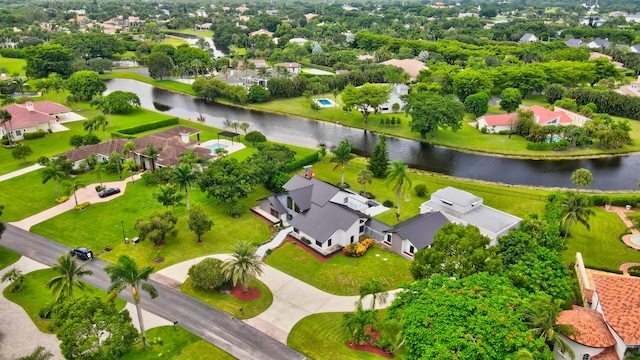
(589, 324)
(620, 301)
(421, 228)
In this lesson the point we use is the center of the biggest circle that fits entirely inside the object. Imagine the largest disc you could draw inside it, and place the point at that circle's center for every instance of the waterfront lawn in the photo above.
(178, 343)
(35, 295)
(99, 226)
(321, 337)
(163, 84)
(201, 33)
(13, 65)
(174, 40)
(601, 247)
(228, 303)
(342, 275)
(7, 257)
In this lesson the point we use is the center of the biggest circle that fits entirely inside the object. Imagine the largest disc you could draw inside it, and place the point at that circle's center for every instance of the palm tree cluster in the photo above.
(359, 323)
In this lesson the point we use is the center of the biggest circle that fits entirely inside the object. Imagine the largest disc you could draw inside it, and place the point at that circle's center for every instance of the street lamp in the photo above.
(124, 236)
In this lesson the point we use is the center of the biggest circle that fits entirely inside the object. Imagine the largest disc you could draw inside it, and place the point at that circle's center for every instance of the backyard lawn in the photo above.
(178, 343)
(13, 65)
(7, 257)
(321, 337)
(600, 247)
(35, 295)
(342, 275)
(201, 33)
(228, 303)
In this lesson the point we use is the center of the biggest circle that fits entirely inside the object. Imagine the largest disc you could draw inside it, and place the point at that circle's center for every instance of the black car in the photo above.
(108, 192)
(82, 253)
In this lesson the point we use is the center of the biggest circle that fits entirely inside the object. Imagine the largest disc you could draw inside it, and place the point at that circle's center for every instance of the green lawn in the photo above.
(342, 275)
(35, 295)
(163, 84)
(601, 246)
(202, 33)
(228, 303)
(174, 40)
(320, 337)
(7, 257)
(176, 344)
(13, 65)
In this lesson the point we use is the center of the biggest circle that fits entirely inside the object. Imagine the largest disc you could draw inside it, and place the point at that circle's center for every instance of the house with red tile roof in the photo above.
(260, 32)
(592, 336)
(541, 116)
(31, 117)
(410, 66)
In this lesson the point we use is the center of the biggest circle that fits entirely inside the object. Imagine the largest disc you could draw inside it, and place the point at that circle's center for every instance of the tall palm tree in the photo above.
(357, 323)
(67, 279)
(73, 185)
(581, 177)
(96, 123)
(542, 321)
(364, 176)
(98, 169)
(114, 158)
(399, 178)
(575, 207)
(152, 153)
(127, 273)
(55, 172)
(335, 92)
(342, 156)
(374, 288)
(5, 118)
(185, 178)
(57, 84)
(243, 266)
(263, 73)
(20, 85)
(131, 166)
(244, 126)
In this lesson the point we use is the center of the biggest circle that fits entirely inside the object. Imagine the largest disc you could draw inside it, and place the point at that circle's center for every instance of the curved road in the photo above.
(226, 332)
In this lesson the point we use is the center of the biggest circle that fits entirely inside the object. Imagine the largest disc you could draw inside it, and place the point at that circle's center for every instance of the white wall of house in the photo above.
(490, 128)
(18, 133)
(578, 349)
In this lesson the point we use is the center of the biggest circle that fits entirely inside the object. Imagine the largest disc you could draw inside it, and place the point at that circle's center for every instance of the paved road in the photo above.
(224, 331)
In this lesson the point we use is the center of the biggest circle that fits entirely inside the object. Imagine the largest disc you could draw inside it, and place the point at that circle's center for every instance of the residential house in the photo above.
(201, 27)
(541, 116)
(260, 32)
(244, 18)
(273, 12)
(633, 18)
(259, 63)
(310, 16)
(599, 43)
(31, 117)
(202, 14)
(292, 67)
(467, 14)
(366, 57)
(410, 66)
(241, 8)
(346, 7)
(596, 55)
(592, 340)
(528, 38)
(172, 142)
(397, 91)
(464, 208)
(299, 41)
(574, 43)
(415, 233)
(634, 48)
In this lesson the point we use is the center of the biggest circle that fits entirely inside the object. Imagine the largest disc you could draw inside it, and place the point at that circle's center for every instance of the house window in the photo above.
(289, 216)
(289, 203)
(389, 238)
(18, 133)
(296, 231)
(329, 242)
(411, 249)
(352, 239)
(361, 229)
(296, 208)
(274, 213)
(318, 243)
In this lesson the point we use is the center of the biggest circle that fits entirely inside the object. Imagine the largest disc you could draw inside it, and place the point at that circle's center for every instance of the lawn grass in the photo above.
(174, 40)
(162, 84)
(201, 33)
(178, 343)
(7, 257)
(99, 226)
(320, 337)
(600, 247)
(228, 303)
(13, 65)
(35, 295)
(342, 275)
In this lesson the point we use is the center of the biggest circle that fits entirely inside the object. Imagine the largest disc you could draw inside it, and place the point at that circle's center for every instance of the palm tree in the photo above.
(95, 123)
(225, 70)
(189, 158)
(20, 85)
(263, 73)
(244, 265)
(235, 125)
(131, 166)
(575, 207)
(364, 176)
(128, 148)
(5, 117)
(73, 185)
(581, 177)
(127, 273)
(15, 277)
(98, 169)
(39, 353)
(357, 323)
(374, 288)
(101, 103)
(184, 177)
(399, 178)
(335, 92)
(53, 171)
(542, 321)
(57, 84)
(67, 279)
(114, 158)
(152, 153)
(244, 126)
(342, 156)
(167, 195)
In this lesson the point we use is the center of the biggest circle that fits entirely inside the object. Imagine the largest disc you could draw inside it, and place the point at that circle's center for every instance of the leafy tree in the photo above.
(430, 111)
(342, 156)
(258, 94)
(207, 274)
(355, 324)
(457, 251)
(131, 166)
(469, 82)
(542, 318)
(477, 104)
(566, 103)
(14, 276)
(46, 59)
(91, 329)
(243, 266)
(159, 226)
(269, 161)
(575, 207)
(604, 69)
(21, 153)
(167, 195)
(90, 139)
(198, 221)
(54, 171)
(379, 160)
(541, 270)
(255, 137)
(364, 176)
(554, 93)
(524, 122)
(99, 65)
(122, 101)
(227, 180)
(160, 65)
(127, 273)
(374, 288)
(510, 99)
(86, 84)
(366, 98)
(398, 178)
(5, 118)
(76, 141)
(95, 123)
(581, 178)
(115, 161)
(91, 45)
(67, 279)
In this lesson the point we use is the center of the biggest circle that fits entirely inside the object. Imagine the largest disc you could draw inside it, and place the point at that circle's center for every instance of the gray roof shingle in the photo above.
(320, 222)
(322, 192)
(420, 229)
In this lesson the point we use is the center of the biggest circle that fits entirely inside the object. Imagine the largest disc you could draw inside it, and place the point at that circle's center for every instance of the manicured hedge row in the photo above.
(618, 200)
(296, 164)
(34, 135)
(12, 53)
(126, 133)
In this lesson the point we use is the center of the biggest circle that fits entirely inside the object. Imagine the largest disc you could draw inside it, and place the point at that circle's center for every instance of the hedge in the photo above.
(544, 146)
(618, 200)
(34, 135)
(615, 271)
(296, 164)
(122, 133)
(12, 53)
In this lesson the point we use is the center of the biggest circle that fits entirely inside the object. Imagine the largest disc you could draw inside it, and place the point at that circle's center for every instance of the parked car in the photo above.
(108, 192)
(82, 253)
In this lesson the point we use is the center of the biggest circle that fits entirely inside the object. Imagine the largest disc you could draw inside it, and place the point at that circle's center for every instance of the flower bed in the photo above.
(359, 249)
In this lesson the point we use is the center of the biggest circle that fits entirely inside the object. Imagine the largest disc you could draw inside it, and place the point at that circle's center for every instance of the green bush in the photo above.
(298, 163)
(602, 268)
(388, 203)
(62, 199)
(46, 311)
(269, 252)
(34, 135)
(12, 53)
(82, 206)
(504, 132)
(207, 274)
(145, 127)
(560, 145)
(421, 190)
(235, 209)
(255, 137)
(634, 271)
(99, 188)
(543, 146)
(305, 240)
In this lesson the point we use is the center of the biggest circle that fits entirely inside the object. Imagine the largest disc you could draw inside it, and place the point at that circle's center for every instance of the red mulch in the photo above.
(368, 347)
(158, 261)
(251, 295)
(306, 248)
(159, 245)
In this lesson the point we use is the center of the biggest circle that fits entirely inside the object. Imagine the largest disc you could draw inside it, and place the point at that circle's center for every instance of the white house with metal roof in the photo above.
(414, 234)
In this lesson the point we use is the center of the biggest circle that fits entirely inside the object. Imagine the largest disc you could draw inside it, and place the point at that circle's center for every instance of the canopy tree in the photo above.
(86, 84)
(366, 98)
(430, 111)
(198, 221)
(159, 226)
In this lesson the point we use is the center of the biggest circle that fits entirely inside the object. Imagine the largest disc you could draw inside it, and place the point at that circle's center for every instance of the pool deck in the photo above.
(622, 213)
(230, 147)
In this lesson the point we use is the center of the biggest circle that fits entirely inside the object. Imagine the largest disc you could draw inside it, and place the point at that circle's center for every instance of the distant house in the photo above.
(634, 48)
(272, 12)
(299, 41)
(574, 43)
(528, 38)
(346, 7)
(260, 32)
(259, 63)
(541, 116)
(596, 55)
(397, 90)
(366, 57)
(310, 16)
(464, 208)
(599, 43)
(410, 66)
(31, 117)
(240, 8)
(205, 26)
(292, 67)
(414, 234)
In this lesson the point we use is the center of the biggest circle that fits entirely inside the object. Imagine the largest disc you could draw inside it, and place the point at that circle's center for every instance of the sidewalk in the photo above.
(17, 173)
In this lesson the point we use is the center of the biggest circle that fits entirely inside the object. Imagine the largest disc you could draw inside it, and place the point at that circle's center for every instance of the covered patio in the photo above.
(229, 135)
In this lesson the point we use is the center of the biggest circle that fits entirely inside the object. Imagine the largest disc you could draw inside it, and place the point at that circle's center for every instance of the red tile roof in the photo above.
(608, 354)
(620, 301)
(588, 295)
(500, 120)
(591, 329)
(545, 115)
(22, 118)
(50, 107)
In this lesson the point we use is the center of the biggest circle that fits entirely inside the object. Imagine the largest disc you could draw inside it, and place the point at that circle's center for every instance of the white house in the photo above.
(397, 90)
(31, 117)
(293, 67)
(599, 43)
(414, 234)
(528, 38)
(299, 41)
(541, 116)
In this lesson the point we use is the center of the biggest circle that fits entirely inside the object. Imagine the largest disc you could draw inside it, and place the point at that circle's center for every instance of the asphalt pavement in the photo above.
(224, 331)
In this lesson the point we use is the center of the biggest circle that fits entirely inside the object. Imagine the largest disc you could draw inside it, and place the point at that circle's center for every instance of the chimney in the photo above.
(29, 105)
(185, 137)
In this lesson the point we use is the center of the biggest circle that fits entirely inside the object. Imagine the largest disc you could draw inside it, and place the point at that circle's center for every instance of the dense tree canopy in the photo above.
(86, 84)
(227, 180)
(43, 60)
(91, 45)
(160, 65)
(430, 111)
(122, 101)
(366, 98)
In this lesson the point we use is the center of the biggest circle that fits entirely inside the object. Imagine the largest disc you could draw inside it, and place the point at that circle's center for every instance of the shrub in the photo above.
(538, 146)
(62, 199)
(388, 203)
(207, 274)
(381, 121)
(354, 250)
(255, 137)
(34, 135)
(634, 271)
(421, 190)
(235, 209)
(82, 206)
(367, 242)
(46, 311)
(504, 132)
(269, 252)
(484, 130)
(149, 178)
(305, 240)
(99, 188)
(387, 121)
(298, 163)
(560, 145)
(398, 121)
(12, 53)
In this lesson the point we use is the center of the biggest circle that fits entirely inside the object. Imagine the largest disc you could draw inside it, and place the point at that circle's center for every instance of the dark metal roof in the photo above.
(322, 192)
(228, 133)
(277, 204)
(378, 225)
(420, 229)
(320, 222)
(302, 197)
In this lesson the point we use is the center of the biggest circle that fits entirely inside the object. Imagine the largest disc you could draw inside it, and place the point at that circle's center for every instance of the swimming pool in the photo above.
(29, 94)
(325, 102)
(215, 146)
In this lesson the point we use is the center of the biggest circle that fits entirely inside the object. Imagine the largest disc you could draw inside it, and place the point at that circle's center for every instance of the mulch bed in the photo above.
(158, 261)
(251, 295)
(368, 347)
